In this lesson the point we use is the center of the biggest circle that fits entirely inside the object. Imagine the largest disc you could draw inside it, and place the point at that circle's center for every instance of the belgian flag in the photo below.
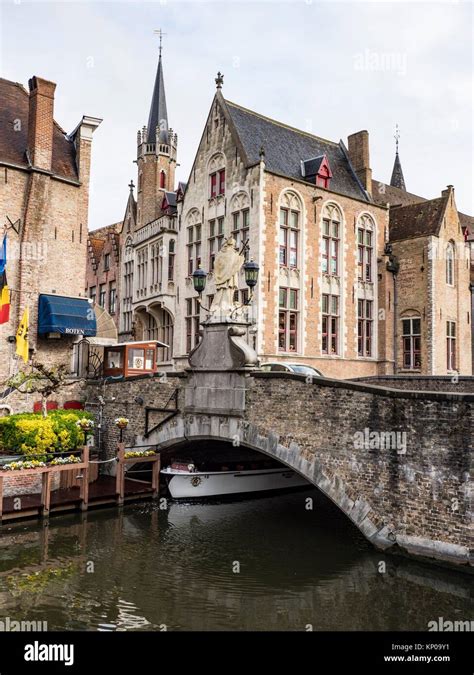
(4, 299)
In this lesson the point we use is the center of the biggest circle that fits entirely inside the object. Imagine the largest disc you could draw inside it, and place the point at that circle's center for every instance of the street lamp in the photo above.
(251, 273)
(199, 280)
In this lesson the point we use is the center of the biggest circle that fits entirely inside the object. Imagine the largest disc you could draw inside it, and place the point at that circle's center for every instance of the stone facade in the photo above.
(44, 200)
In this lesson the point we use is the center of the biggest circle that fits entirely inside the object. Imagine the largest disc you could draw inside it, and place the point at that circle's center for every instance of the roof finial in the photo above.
(160, 33)
(219, 80)
(131, 185)
(396, 137)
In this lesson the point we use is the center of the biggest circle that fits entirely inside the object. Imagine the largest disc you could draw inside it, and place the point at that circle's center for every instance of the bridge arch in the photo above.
(238, 431)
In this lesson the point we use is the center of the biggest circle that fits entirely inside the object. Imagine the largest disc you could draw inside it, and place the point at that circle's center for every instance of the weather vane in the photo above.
(160, 33)
(396, 137)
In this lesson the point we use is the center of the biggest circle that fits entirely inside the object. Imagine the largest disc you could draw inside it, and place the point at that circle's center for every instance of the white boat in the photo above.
(187, 483)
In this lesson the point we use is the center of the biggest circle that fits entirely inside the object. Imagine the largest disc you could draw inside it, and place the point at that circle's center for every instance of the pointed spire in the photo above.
(397, 180)
(158, 113)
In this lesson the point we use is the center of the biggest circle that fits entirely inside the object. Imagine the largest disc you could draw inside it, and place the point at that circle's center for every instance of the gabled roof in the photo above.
(467, 224)
(397, 180)
(14, 138)
(311, 167)
(170, 198)
(158, 112)
(416, 220)
(285, 148)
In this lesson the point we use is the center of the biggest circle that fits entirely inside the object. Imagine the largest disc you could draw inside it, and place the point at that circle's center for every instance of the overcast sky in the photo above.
(331, 68)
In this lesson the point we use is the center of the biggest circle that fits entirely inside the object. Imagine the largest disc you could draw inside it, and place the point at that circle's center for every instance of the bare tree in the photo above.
(41, 380)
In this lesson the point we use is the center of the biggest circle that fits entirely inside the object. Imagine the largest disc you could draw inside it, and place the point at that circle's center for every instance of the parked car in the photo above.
(298, 368)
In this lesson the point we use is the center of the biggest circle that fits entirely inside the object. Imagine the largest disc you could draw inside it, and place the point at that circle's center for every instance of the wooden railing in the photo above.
(122, 462)
(46, 473)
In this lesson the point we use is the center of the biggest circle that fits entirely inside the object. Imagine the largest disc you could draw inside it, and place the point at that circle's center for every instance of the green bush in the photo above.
(32, 434)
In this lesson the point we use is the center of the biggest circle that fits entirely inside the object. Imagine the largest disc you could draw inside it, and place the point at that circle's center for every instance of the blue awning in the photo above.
(69, 316)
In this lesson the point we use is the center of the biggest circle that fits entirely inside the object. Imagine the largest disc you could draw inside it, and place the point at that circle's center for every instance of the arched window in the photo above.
(332, 219)
(290, 217)
(365, 247)
(162, 179)
(216, 168)
(411, 342)
(160, 329)
(450, 264)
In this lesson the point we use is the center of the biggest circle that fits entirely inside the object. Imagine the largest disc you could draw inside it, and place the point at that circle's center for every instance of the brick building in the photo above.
(103, 269)
(357, 277)
(44, 197)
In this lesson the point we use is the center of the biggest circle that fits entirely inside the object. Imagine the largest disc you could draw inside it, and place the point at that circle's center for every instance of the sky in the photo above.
(330, 68)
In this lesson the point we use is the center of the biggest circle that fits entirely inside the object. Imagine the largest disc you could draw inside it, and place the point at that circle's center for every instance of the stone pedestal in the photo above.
(219, 367)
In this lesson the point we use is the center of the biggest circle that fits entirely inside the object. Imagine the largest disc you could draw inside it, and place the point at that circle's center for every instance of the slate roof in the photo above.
(310, 167)
(158, 111)
(397, 180)
(467, 223)
(415, 220)
(14, 105)
(170, 198)
(285, 148)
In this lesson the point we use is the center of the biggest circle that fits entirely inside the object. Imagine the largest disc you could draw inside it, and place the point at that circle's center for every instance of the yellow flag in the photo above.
(22, 337)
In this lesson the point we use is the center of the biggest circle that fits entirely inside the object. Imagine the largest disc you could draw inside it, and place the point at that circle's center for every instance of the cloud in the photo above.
(294, 61)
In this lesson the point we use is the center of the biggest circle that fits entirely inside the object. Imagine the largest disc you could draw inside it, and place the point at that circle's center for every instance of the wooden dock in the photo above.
(104, 491)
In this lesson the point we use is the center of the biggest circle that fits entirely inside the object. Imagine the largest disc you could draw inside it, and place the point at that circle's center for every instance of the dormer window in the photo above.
(317, 170)
(323, 176)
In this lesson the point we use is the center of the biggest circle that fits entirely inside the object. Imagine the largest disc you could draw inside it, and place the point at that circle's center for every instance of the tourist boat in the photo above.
(185, 481)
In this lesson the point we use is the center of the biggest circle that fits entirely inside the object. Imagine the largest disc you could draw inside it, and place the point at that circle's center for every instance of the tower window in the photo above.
(162, 179)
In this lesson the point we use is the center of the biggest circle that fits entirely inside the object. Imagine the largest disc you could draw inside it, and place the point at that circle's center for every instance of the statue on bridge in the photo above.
(227, 265)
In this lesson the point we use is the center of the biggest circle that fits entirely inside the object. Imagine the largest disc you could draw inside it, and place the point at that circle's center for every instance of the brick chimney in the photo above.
(40, 122)
(359, 155)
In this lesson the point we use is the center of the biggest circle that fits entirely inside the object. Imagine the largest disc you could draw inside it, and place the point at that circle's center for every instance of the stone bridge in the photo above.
(396, 462)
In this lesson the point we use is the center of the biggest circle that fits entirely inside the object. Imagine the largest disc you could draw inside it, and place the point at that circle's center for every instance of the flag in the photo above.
(3, 255)
(4, 299)
(22, 337)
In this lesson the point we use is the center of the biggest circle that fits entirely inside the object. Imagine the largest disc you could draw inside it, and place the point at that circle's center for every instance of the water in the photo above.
(261, 564)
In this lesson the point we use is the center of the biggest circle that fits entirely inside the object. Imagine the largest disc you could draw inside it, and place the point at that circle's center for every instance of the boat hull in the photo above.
(184, 485)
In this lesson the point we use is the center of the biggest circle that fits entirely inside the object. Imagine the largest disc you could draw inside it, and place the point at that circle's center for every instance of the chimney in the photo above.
(40, 122)
(449, 190)
(359, 156)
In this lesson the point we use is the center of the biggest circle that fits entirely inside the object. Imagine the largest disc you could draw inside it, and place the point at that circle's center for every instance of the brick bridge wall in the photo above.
(415, 497)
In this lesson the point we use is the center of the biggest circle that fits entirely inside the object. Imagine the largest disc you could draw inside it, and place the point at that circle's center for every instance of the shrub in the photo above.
(32, 434)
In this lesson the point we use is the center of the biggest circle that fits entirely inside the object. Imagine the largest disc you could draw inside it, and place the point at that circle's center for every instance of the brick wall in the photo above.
(423, 492)
(120, 397)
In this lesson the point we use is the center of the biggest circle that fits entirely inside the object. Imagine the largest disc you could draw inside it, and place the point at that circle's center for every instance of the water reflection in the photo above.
(261, 564)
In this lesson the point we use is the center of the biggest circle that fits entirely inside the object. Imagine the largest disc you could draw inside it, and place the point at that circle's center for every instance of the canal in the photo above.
(268, 563)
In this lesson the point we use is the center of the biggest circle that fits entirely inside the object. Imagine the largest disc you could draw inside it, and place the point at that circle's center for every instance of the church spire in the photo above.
(158, 113)
(397, 180)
